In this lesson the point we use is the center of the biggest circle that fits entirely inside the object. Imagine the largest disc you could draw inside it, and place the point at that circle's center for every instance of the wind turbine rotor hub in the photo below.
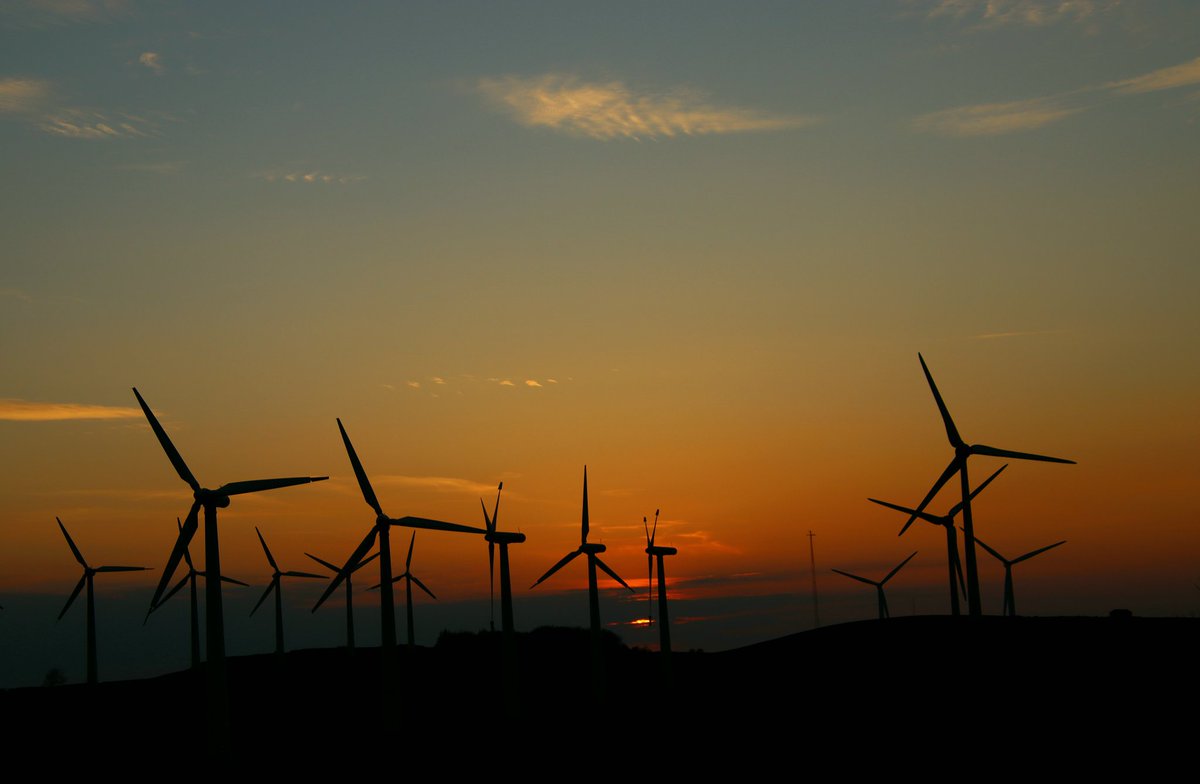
(207, 497)
(589, 547)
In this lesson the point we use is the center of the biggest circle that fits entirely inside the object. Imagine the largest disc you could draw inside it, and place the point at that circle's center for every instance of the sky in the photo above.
(693, 246)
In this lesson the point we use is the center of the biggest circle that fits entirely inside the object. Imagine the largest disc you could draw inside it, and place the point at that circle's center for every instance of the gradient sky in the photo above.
(696, 246)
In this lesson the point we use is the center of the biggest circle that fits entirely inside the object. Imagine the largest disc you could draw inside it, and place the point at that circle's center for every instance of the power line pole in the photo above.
(813, 564)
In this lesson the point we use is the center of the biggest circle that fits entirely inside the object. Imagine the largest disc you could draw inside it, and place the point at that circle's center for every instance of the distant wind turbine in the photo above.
(409, 578)
(592, 551)
(345, 572)
(1010, 604)
(504, 539)
(883, 608)
(276, 586)
(947, 522)
(958, 464)
(655, 553)
(89, 572)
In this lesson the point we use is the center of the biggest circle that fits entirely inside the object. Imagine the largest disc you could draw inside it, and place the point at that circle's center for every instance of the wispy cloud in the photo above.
(413, 384)
(152, 60)
(91, 124)
(1030, 333)
(19, 94)
(1163, 79)
(311, 177)
(1023, 13)
(15, 294)
(160, 167)
(529, 382)
(506, 383)
(14, 410)
(991, 119)
(612, 110)
(441, 484)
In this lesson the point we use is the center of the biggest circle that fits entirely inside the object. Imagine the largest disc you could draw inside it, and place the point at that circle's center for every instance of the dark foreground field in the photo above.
(1032, 686)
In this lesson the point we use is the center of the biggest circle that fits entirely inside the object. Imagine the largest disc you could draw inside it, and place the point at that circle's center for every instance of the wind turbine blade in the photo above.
(991, 451)
(78, 588)
(654, 533)
(172, 453)
(305, 574)
(365, 561)
(187, 551)
(898, 568)
(71, 543)
(922, 515)
(364, 484)
(421, 585)
(366, 544)
(951, 431)
(408, 561)
(258, 485)
(611, 573)
(267, 550)
(487, 521)
(270, 587)
(646, 528)
(437, 525)
(186, 532)
(945, 477)
(856, 577)
(1038, 551)
(954, 510)
(178, 587)
(584, 525)
(324, 563)
(962, 582)
(995, 554)
(566, 560)
(225, 579)
(496, 509)
(122, 568)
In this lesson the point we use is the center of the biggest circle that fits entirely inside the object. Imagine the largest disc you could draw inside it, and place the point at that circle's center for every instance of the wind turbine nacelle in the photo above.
(656, 550)
(209, 498)
(592, 549)
(505, 537)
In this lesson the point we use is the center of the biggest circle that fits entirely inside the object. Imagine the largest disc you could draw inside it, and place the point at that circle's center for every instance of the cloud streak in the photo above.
(89, 124)
(1023, 13)
(152, 60)
(14, 410)
(992, 119)
(311, 177)
(612, 110)
(19, 94)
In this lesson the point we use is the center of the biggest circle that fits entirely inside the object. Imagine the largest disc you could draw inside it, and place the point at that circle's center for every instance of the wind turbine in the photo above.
(1010, 604)
(653, 552)
(593, 558)
(345, 573)
(504, 539)
(947, 522)
(211, 500)
(883, 608)
(381, 529)
(190, 580)
(89, 572)
(276, 586)
(409, 578)
(958, 464)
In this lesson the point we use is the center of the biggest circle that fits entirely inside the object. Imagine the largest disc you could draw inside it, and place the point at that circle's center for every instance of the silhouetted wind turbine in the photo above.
(345, 573)
(947, 522)
(883, 608)
(1010, 604)
(89, 572)
(382, 524)
(211, 500)
(593, 558)
(958, 464)
(190, 580)
(276, 586)
(654, 552)
(504, 539)
(409, 578)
